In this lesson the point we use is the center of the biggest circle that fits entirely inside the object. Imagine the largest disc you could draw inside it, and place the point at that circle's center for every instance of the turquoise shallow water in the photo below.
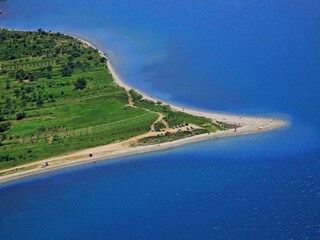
(252, 57)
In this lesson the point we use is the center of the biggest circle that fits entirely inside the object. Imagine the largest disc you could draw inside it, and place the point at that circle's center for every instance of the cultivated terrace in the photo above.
(57, 96)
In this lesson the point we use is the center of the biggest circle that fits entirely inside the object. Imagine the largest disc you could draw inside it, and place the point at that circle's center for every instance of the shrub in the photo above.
(21, 115)
(159, 125)
(4, 126)
(66, 70)
(80, 84)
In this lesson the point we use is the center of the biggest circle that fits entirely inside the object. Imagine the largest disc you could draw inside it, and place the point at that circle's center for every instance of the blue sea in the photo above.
(235, 56)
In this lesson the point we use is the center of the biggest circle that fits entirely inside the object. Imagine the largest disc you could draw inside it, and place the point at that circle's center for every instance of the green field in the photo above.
(57, 96)
(174, 118)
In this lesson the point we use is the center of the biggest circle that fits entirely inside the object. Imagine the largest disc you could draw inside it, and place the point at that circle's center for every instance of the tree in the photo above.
(21, 115)
(39, 102)
(4, 126)
(80, 84)
(66, 70)
(21, 75)
(7, 84)
(16, 92)
(32, 77)
(41, 31)
(75, 54)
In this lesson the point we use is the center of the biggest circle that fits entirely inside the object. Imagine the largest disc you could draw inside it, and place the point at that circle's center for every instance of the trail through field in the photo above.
(160, 119)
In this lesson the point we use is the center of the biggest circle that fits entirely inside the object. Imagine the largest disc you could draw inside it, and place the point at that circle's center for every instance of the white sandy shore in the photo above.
(247, 125)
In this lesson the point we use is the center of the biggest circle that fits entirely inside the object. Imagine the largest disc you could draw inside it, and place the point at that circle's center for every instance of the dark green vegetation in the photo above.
(174, 118)
(158, 126)
(169, 137)
(57, 96)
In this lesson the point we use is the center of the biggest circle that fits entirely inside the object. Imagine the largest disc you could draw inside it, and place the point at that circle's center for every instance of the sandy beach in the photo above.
(246, 125)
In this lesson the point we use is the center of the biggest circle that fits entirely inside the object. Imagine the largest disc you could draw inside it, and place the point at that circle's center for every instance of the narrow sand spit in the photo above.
(246, 125)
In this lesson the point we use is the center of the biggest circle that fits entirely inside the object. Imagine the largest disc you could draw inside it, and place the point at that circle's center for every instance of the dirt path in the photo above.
(160, 119)
(130, 101)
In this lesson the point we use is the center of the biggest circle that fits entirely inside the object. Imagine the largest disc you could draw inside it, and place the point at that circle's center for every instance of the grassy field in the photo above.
(174, 118)
(57, 96)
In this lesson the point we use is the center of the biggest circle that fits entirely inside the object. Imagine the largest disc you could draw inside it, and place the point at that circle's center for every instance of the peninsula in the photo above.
(62, 103)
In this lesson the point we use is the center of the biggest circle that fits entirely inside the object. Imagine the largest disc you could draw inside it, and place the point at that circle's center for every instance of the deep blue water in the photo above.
(252, 57)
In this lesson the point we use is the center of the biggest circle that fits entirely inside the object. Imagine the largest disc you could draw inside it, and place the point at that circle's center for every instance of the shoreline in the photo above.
(221, 117)
(247, 125)
(112, 151)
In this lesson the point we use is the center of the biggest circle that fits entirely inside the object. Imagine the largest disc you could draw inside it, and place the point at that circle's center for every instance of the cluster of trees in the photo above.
(36, 44)
(68, 68)
(6, 157)
(31, 75)
(36, 96)
(46, 71)
(21, 75)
